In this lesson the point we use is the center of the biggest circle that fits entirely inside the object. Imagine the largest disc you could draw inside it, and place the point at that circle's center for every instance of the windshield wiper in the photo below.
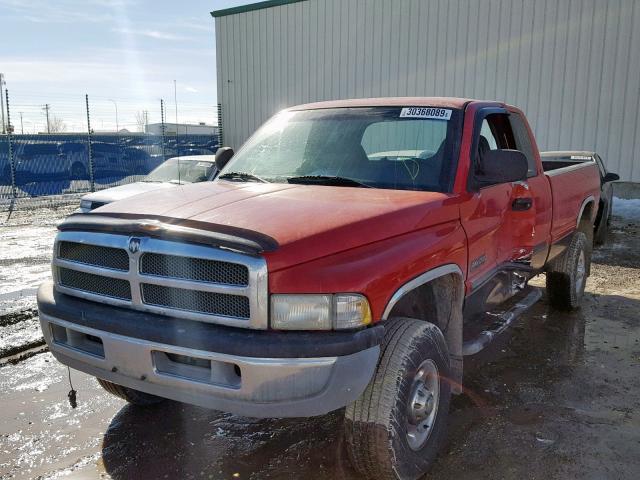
(242, 176)
(329, 180)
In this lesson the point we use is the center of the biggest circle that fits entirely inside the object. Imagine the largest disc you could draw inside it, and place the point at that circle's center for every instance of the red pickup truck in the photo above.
(349, 255)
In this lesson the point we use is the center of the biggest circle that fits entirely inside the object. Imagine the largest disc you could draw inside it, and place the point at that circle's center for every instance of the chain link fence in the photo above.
(59, 165)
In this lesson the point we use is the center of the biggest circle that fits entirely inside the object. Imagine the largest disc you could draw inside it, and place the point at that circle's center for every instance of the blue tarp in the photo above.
(57, 164)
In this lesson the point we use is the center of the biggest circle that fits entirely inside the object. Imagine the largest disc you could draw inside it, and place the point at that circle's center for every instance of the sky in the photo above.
(124, 54)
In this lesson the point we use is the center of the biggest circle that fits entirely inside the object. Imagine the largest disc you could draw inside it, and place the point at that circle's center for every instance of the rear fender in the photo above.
(587, 208)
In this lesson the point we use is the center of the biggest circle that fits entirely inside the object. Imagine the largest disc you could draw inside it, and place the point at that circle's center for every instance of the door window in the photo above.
(495, 134)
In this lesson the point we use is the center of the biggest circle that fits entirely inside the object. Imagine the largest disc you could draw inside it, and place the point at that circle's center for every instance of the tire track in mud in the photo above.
(20, 336)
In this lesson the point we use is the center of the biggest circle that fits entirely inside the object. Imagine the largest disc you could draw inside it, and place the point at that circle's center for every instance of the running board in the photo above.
(471, 347)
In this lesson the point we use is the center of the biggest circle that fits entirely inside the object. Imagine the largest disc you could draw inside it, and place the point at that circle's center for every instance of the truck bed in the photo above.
(551, 165)
(569, 181)
(566, 158)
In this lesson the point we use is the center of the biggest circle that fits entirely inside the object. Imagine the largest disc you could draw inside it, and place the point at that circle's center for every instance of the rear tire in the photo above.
(568, 277)
(129, 394)
(601, 232)
(398, 425)
(600, 237)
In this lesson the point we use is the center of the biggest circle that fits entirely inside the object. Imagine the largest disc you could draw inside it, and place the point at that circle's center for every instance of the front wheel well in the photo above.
(439, 301)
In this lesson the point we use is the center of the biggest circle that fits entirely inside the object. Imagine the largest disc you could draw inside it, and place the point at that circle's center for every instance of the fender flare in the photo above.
(585, 202)
(426, 277)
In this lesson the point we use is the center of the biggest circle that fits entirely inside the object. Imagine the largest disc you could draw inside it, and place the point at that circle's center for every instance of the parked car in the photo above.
(315, 273)
(39, 161)
(560, 159)
(173, 172)
(76, 159)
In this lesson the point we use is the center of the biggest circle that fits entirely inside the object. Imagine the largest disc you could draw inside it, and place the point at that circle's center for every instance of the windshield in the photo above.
(407, 148)
(182, 171)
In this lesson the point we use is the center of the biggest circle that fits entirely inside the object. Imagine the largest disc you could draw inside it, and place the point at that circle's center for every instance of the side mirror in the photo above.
(223, 155)
(502, 166)
(611, 177)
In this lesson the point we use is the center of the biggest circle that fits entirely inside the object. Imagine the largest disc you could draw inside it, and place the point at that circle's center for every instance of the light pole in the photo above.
(116, 105)
(175, 101)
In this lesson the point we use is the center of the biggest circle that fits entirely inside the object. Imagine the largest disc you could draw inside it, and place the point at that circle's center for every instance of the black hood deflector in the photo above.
(167, 228)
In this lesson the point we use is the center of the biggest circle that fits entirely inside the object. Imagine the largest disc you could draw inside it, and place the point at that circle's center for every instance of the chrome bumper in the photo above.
(249, 386)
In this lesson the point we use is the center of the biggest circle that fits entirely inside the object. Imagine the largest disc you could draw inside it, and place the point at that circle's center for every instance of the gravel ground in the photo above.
(556, 397)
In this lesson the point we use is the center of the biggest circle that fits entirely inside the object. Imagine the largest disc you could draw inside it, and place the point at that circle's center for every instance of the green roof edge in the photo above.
(251, 7)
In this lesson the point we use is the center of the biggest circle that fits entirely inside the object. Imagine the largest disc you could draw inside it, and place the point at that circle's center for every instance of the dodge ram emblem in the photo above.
(134, 245)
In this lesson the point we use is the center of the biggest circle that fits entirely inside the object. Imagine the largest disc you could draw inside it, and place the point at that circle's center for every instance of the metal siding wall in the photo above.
(572, 65)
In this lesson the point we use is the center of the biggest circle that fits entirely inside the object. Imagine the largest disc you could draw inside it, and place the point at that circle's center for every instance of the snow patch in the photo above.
(628, 209)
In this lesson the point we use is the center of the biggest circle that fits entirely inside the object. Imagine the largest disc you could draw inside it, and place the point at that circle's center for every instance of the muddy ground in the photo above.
(556, 397)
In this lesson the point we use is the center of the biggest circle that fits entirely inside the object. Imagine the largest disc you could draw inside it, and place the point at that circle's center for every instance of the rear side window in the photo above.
(523, 142)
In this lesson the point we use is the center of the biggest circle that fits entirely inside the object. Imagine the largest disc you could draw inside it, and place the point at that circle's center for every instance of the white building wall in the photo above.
(573, 66)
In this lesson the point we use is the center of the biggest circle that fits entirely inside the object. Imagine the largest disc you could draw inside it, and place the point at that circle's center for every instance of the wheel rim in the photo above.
(581, 270)
(422, 408)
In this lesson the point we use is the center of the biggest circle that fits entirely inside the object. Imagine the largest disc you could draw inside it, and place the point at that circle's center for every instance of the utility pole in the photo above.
(46, 109)
(21, 126)
(2, 83)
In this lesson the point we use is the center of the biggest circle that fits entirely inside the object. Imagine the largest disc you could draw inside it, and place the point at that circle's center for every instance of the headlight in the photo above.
(319, 312)
(85, 204)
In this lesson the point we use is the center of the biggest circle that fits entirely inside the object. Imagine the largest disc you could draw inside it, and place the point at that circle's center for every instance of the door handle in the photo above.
(521, 204)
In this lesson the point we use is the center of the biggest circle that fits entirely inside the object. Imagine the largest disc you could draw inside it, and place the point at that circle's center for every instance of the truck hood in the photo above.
(125, 191)
(306, 221)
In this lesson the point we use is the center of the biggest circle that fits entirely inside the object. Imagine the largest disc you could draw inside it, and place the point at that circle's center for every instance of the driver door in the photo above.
(499, 218)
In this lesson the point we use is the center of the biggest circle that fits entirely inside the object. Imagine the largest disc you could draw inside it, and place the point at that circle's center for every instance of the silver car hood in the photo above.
(125, 191)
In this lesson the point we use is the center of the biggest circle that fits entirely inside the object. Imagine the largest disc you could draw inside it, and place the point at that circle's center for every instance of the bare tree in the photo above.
(57, 125)
(141, 120)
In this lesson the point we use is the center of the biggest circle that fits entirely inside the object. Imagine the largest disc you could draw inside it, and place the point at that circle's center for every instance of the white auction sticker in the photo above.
(426, 112)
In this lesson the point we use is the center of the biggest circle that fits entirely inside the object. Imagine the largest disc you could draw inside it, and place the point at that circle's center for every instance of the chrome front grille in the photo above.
(196, 269)
(107, 257)
(170, 278)
(202, 302)
(97, 284)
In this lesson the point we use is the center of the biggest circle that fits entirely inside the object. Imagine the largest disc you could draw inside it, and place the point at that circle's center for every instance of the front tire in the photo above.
(398, 425)
(567, 280)
(129, 394)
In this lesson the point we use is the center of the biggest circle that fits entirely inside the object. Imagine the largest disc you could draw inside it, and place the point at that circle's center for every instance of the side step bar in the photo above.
(471, 347)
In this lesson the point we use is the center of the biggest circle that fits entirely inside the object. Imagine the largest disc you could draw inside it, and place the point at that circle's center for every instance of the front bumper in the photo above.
(246, 372)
